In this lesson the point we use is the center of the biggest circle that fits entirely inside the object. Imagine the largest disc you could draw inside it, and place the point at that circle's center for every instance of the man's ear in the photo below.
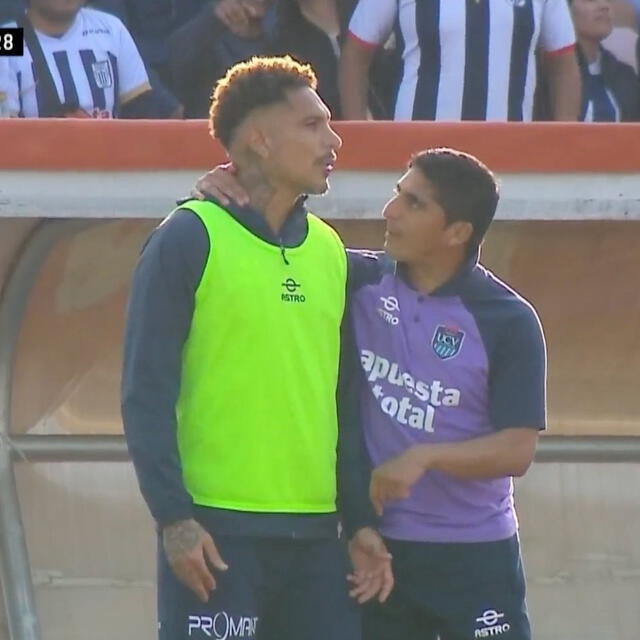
(459, 233)
(258, 141)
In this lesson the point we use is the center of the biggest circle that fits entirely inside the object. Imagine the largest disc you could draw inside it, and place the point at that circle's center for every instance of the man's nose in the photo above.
(389, 212)
(335, 141)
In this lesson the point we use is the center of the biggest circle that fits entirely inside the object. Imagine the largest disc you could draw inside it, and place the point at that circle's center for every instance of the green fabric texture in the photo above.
(257, 418)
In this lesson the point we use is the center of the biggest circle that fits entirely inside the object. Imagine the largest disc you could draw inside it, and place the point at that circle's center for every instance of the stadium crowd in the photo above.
(380, 59)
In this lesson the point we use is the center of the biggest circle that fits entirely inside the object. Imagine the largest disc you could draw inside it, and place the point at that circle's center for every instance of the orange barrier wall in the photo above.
(505, 147)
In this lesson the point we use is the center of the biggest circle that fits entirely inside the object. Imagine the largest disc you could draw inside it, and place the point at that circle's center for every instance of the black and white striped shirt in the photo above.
(466, 59)
(95, 67)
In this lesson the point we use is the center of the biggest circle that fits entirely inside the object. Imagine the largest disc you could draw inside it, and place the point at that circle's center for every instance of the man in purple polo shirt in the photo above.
(452, 396)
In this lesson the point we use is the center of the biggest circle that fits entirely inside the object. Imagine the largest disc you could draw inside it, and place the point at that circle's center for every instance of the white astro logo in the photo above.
(390, 305)
(493, 626)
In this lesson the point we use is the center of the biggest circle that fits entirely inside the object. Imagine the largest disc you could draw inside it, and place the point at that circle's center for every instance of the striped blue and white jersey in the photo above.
(601, 104)
(466, 59)
(95, 66)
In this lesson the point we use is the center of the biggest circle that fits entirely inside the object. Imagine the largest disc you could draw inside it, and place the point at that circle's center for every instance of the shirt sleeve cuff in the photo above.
(363, 43)
(167, 516)
(561, 51)
(352, 523)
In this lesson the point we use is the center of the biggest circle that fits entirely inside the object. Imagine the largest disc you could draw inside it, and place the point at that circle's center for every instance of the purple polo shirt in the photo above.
(463, 362)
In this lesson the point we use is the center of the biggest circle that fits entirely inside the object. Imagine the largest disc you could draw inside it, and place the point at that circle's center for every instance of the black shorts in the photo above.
(274, 589)
(452, 592)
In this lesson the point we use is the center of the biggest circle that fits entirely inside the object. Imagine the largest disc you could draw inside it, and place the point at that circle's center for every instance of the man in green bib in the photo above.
(230, 382)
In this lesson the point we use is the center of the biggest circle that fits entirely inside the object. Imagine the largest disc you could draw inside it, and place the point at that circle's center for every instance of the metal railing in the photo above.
(592, 449)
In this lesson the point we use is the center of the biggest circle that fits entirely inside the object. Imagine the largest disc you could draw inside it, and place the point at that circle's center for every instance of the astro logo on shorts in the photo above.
(447, 342)
(222, 626)
(493, 622)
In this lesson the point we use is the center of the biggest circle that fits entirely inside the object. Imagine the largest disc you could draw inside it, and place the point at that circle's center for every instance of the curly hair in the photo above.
(258, 82)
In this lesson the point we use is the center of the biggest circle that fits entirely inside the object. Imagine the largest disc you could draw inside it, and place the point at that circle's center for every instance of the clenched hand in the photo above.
(393, 479)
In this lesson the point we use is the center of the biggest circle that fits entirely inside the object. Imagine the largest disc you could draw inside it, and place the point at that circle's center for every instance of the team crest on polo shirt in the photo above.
(102, 74)
(447, 341)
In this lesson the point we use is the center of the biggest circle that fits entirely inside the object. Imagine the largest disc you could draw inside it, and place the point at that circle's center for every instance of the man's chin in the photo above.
(318, 189)
(62, 16)
(389, 250)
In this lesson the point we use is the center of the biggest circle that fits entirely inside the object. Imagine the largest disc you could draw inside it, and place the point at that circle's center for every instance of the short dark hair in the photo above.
(249, 85)
(464, 187)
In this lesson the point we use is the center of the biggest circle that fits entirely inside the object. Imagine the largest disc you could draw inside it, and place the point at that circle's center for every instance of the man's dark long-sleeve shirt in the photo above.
(159, 319)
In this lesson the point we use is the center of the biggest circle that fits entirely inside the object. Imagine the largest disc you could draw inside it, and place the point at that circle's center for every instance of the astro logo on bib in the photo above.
(291, 293)
(447, 342)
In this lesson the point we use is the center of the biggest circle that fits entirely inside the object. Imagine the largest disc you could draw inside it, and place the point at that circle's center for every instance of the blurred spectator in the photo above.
(11, 10)
(5, 111)
(623, 39)
(635, 4)
(312, 31)
(611, 88)
(151, 23)
(78, 62)
(464, 60)
(221, 34)
(232, 30)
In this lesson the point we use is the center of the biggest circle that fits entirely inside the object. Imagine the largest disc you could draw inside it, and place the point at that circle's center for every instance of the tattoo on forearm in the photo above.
(181, 537)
